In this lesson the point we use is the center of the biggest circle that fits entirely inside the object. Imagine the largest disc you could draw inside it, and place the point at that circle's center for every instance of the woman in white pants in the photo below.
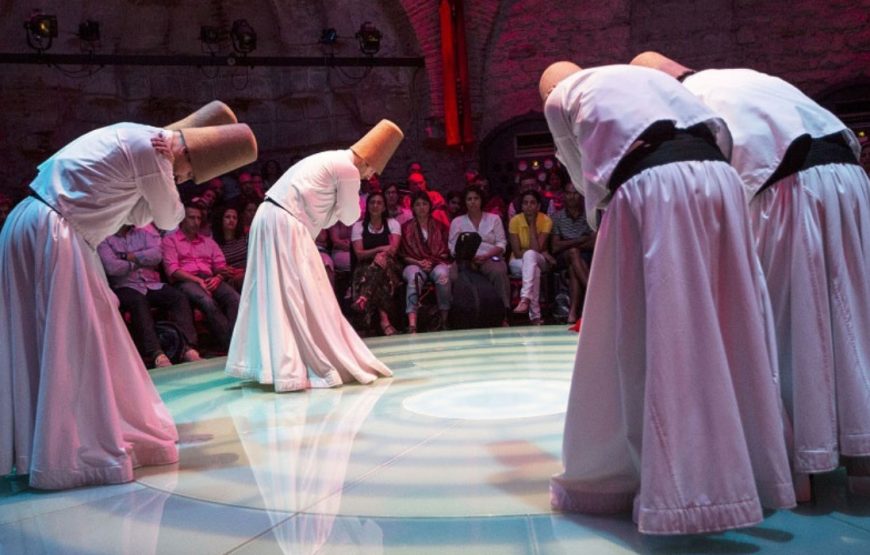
(529, 233)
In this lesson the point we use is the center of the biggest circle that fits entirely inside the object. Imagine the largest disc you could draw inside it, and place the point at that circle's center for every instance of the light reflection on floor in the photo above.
(452, 455)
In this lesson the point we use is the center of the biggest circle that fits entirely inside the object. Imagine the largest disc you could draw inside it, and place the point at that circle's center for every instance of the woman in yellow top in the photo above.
(529, 233)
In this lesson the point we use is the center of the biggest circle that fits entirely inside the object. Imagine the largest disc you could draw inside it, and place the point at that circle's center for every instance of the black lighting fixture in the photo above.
(328, 36)
(244, 37)
(41, 30)
(369, 38)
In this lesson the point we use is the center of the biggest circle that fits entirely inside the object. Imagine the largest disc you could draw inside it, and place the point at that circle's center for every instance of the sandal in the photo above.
(522, 306)
(360, 304)
(412, 329)
(389, 330)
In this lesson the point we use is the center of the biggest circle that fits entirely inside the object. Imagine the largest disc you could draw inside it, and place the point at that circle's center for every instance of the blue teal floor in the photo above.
(452, 455)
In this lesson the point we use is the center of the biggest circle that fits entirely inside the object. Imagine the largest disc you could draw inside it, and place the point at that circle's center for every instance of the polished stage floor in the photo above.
(452, 455)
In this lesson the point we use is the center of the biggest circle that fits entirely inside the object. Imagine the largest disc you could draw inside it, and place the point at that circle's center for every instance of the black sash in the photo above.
(805, 153)
(665, 144)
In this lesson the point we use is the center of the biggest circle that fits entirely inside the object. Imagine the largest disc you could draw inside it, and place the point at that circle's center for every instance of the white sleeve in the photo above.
(395, 228)
(156, 183)
(567, 151)
(347, 195)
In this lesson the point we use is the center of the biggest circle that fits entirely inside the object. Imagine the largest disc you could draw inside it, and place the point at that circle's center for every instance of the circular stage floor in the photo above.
(451, 455)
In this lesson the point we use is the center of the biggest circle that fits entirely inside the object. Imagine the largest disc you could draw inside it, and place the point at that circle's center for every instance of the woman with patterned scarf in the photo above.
(424, 249)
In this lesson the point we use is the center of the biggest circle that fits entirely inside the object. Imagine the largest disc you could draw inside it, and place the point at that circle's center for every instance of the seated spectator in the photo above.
(529, 232)
(454, 204)
(248, 188)
(494, 203)
(488, 260)
(528, 181)
(339, 236)
(227, 233)
(271, 172)
(205, 223)
(322, 242)
(416, 183)
(573, 241)
(376, 277)
(130, 258)
(424, 250)
(554, 191)
(249, 208)
(394, 208)
(194, 264)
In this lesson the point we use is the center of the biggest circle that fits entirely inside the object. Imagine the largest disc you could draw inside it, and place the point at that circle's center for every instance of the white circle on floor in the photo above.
(492, 400)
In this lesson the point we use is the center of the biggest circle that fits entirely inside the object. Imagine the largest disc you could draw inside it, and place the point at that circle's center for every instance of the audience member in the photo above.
(271, 172)
(554, 191)
(488, 260)
(376, 277)
(494, 203)
(233, 242)
(131, 257)
(417, 182)
(394, 208)
(528, 181)
(195, 265)
(249, 208)
(454, 205)
(529, 233)
(573, 241)
(425, 251)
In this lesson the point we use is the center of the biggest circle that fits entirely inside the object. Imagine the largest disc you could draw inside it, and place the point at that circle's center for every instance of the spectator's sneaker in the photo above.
(191, 355)
(162, 361)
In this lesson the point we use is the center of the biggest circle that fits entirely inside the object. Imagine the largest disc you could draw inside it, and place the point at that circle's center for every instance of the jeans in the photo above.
(439, 275)
(142, 323)
(219, 308)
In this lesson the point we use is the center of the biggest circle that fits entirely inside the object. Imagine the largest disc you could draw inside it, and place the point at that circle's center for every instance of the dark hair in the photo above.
(421, 195)
(452, 195)
(198, 204)
(474, 189)
(367, 217)
(390, 185)
(532, 192)
(217, 223)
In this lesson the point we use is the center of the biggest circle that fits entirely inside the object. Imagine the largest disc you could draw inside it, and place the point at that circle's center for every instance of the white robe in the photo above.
(812, 234)
(674, 405)
(77, 406)
(289, 319)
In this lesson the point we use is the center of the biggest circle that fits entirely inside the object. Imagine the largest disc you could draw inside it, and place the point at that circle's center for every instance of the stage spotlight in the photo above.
(209, 34)
(369, 38)
(41, 29)
(244, 37)
(328, 36)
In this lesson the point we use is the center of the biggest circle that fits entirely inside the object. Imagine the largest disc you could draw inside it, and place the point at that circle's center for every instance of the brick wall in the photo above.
(295, 111)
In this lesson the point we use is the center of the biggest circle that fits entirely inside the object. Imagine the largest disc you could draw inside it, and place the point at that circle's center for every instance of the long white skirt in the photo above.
(289, 319)
(813, 236)
(674, 401)
(77, 406)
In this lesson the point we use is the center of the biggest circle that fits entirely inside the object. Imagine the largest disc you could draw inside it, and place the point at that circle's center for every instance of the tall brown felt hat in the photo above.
(378, 145)
(213, 113)
(219, 149)
(554, 74)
